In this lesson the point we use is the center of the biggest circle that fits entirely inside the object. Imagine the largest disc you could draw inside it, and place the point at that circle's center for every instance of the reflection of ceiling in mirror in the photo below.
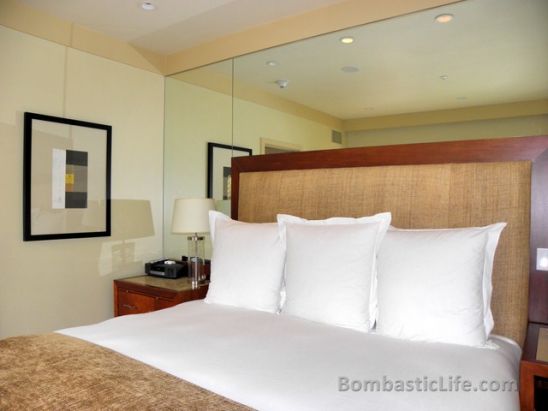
(492, 52)
(218, 77)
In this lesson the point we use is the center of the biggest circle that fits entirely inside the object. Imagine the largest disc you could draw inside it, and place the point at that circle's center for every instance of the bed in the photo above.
(210, 356)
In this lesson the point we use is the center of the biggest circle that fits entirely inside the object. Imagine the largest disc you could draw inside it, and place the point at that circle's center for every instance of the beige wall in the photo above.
(468, 130)
(47, 285)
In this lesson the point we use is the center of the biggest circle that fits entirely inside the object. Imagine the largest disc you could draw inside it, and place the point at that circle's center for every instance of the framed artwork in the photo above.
(66, 178)
(219, 178)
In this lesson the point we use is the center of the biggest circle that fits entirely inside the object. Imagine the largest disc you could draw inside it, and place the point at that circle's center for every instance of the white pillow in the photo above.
(246, 264)
(435, 285)
(330, 266)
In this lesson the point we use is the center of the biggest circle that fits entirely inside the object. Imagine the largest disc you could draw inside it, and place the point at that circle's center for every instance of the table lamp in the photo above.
(191, 216)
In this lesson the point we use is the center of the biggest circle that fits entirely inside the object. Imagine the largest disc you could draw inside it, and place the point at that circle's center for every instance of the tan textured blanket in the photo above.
(56, 372)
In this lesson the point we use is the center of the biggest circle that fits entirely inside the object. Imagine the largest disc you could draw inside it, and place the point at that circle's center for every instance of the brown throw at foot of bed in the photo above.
(56, 372)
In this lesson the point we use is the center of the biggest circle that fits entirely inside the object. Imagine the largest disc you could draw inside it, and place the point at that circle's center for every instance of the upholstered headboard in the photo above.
(435, 185)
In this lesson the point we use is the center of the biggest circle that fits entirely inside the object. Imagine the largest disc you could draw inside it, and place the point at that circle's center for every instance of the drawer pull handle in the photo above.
(130, 307)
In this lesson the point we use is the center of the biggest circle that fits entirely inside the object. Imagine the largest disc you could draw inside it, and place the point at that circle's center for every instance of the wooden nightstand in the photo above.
(533, 376)
(144, 293)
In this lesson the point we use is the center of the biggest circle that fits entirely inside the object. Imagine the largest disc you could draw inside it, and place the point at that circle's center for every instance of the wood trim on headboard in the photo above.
(534, 149)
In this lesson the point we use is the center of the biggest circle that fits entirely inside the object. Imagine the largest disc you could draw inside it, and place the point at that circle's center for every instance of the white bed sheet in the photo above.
(277, 362)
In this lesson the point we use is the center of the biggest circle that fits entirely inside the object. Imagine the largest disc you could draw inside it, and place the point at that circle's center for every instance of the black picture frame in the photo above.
(219, 181)
(70, 200)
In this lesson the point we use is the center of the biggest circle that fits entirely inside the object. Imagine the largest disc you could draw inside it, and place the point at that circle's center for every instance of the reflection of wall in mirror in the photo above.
(467, 130)
(194, 116)
(189, 126)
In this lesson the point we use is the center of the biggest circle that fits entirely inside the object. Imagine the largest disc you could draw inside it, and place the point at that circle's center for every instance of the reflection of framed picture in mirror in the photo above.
(66, 178)
(219, 180)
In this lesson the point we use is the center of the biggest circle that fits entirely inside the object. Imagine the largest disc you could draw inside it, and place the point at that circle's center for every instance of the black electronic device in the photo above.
(167, 268)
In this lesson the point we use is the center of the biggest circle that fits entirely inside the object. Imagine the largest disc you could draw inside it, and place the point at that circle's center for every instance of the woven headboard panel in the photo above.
(419, 196)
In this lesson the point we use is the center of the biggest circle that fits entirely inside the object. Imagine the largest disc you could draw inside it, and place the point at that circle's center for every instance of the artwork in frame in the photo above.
(66, 178)
(219, 178)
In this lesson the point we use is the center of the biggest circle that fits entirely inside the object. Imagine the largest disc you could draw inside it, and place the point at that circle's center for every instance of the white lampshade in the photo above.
(191, 215)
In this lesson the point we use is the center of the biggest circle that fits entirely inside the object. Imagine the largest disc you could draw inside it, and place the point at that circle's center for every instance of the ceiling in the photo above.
(494, 51)
(175, 24)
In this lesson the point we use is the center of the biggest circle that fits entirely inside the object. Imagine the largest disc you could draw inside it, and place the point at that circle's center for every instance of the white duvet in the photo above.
(277, 362)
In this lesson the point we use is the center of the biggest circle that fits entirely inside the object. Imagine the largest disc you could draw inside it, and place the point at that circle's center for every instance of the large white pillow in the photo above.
(246, 264)
(330, 268)
(435, 285)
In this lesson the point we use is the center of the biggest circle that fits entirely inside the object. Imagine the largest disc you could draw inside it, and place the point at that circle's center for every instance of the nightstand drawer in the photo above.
(133, 303)
(142, 294)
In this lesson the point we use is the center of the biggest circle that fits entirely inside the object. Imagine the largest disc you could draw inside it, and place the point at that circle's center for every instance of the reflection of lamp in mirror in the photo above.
(132, 220)
(191, 216)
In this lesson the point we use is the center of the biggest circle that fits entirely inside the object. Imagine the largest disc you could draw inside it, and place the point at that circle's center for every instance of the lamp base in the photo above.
(196, 260)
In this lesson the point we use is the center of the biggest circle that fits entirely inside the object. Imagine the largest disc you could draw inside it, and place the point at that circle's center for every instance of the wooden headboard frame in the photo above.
(534, 149)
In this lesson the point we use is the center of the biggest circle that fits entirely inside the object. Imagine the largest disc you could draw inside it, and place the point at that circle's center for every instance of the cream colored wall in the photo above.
(195, 116)
(47, 285)
(468, 130)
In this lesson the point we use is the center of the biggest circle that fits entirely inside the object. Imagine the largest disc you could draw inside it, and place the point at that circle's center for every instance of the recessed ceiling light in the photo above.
(271, 63)
(347, 40)
(444, 77)
(148, 6)
(350, 69)
(444, 18)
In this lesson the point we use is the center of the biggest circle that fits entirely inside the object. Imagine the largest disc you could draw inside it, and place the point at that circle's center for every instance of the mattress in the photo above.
(278, 362)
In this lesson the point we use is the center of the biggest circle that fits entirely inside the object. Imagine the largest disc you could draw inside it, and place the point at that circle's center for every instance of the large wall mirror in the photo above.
(478, 71)
(198, 110)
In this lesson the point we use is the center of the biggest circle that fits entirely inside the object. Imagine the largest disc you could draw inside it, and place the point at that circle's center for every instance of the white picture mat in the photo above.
(58, 171)
(47, 136)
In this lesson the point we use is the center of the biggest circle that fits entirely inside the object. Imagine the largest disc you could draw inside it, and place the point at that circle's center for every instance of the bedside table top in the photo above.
(542, 347)
(178, 284)
(536, 344)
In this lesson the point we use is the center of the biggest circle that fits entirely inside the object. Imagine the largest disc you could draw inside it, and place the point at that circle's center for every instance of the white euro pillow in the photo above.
(435, 285)
(246, 264)
(330, 268)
